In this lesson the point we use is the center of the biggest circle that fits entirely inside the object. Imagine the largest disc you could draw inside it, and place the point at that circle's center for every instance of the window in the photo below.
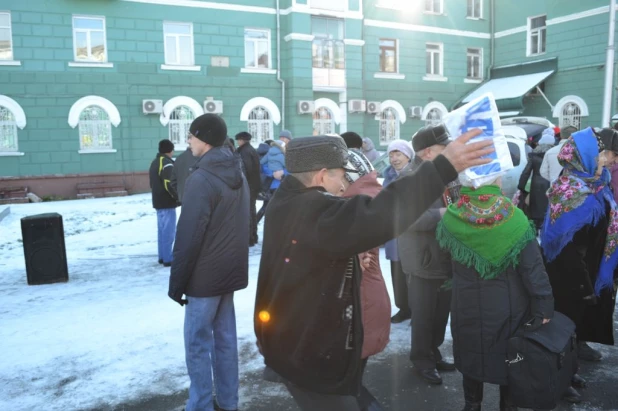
(8, 130)
(257, 48)
(260, 125)
(537, 33)
(475, 64)
(323, 122)
(180, 122)
(178, 44)
(434, 59)
(475, 8)
(389, 126)
(434, 117)
(388, 56)
(95, 129)
(6, 37)
(433, 6)
(328, 50)
(571, 116)
(515, 154)
(89, 39)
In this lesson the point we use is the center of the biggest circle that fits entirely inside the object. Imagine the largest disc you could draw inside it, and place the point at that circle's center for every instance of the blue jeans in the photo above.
(210, 332)
(166, 230)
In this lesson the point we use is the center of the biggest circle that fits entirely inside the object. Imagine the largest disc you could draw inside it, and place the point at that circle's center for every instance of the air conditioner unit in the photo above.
(306, 107)
(213, 106)
(152, 106)
(357, 106)
(374, 107)
(416, 112)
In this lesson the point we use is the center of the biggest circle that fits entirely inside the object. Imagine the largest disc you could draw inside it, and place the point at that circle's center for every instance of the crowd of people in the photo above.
(322, 309)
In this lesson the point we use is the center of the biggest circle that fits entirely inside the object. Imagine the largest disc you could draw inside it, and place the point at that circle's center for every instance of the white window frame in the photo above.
(255, 49)
(382, 137)
(10, 27)
(440, 75)
(474, 15)
(320, 124)
(81, 127)
(12, 125)
(88, 44)
(433, 11)
(574, 120)
(537, 31)
(176, 64)
(182, 144)
(480, 68)
(255, 137)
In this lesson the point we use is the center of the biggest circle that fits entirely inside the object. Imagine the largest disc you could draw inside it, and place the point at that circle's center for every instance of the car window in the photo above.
(515, 154)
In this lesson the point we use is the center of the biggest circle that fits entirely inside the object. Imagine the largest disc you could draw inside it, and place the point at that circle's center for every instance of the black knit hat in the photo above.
(165, 146)
(315, 153)
(352, 139)
(243, 135)
(210, 128)
(430, 136)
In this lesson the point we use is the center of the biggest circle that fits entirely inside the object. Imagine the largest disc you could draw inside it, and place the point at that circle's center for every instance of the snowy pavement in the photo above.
(110, 335)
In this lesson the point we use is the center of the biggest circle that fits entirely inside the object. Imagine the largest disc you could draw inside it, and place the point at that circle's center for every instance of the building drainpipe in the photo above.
(492, 38)
(609, 66)
(279, 79)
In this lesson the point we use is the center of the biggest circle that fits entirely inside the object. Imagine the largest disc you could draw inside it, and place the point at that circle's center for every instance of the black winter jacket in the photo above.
(211, 251)
(309, 279)
(419, 251)
(573, 275)
(486, 313)
(251, 160)
(163, 193)
(538, 186)
(182, 168)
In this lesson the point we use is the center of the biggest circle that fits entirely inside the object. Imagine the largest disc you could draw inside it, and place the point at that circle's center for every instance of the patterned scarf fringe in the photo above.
(467, 257)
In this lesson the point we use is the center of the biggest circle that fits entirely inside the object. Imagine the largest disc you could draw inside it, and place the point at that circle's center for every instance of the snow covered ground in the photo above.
(110, 335)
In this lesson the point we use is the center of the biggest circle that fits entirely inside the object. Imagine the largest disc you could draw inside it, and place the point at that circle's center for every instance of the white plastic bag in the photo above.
(482, 113)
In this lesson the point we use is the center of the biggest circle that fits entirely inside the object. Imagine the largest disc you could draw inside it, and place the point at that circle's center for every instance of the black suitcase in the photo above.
(541, 363)
(44, 249)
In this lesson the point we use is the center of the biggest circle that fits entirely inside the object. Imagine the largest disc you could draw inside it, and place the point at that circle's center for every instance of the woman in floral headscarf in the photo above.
(579, 240)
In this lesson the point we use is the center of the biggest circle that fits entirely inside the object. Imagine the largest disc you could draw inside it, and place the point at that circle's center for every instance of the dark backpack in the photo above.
(541, 363)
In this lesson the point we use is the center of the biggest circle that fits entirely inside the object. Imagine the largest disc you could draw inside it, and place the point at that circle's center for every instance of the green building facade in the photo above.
(89, 87)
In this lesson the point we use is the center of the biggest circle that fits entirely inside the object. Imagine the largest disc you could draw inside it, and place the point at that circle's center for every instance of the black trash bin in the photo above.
(44, 249)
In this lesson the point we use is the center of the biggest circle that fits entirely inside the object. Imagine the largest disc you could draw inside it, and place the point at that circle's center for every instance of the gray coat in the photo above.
(418, 248)
(486, 313)
(182, 168)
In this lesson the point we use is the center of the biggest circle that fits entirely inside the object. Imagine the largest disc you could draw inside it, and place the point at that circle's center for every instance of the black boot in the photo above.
(578, 382)
(471, 406)
(473, 393)
(571, 395)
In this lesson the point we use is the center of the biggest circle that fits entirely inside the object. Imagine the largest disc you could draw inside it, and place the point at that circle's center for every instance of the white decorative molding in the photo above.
(95, 65)
(15, 109)
(264, 102)
(299, 36)
(425, 29)
(434, 105)
(208, 5)
(435, 78)
(557, 20)
(401, 112)
(302, 8)
(180, 68)
(99, 151)
(258, 71)
(10, 63)
(332, 106)
(391, 76)
(11, 154)
(557, 113)
(174, 102)
(354, 42)
(473, 80)
(82, 103)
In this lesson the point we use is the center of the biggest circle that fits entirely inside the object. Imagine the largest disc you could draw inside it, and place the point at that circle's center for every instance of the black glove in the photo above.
(522, 200)
(591, 299)
(534, 324)
(177, 296)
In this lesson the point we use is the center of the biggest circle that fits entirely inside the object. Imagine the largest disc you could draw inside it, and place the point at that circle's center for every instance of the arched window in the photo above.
(389, 126)
(95, 129)
(571, 115)
(323, 122)
(179, 124)
(260, 125)
(8, 130)
(434, 117)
